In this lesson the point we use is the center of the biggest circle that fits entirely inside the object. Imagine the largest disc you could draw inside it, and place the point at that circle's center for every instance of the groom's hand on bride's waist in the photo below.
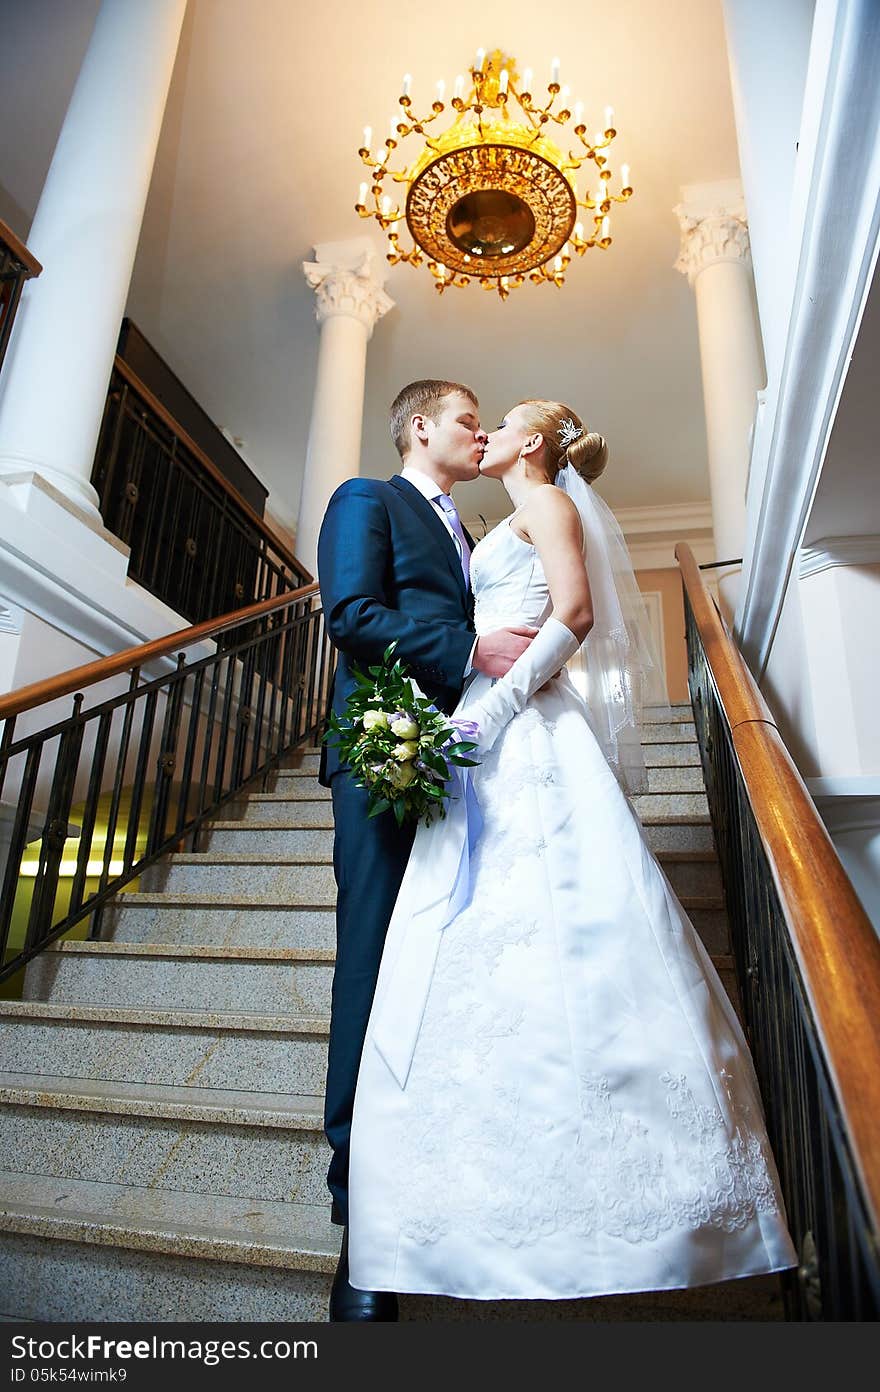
(496, 652)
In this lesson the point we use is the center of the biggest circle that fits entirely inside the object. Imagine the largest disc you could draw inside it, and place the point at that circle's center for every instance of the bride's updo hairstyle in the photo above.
(588, 454)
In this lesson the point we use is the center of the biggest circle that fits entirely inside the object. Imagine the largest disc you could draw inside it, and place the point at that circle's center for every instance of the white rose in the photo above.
(375, 720)
(406, 750)
(402, 777)
(404, 728)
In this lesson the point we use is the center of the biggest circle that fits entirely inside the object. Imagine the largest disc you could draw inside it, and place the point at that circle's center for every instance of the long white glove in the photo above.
(552, 646)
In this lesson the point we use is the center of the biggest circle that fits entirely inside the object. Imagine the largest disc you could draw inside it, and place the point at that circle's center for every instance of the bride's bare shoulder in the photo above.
(546, 508)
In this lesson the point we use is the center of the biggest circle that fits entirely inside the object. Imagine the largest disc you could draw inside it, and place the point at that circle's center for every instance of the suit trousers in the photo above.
(369, 860)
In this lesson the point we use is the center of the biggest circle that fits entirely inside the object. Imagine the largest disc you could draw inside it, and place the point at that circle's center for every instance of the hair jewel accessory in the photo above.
(568, 432)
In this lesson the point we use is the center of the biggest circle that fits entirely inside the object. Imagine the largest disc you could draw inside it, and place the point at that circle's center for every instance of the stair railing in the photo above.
(104, 790)
(808, 968)
(16, 266)
(195, 542)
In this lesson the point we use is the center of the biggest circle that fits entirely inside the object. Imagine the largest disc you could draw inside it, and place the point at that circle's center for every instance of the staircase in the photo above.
(161, 1147)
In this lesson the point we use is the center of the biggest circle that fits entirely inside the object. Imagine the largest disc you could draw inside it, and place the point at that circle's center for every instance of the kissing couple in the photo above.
(539, 1091)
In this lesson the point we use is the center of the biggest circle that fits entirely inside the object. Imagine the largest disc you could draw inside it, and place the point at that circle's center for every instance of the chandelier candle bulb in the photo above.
(491, 197)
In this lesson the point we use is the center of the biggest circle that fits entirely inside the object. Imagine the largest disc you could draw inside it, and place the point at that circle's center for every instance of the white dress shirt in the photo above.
(429, 489)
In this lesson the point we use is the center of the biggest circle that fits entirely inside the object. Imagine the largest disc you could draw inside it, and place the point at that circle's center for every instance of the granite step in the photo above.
(159, 918)
(308, 762)
(229, 920)
(79, 1250)
(675, 780)
(669, 732)
(238, 877)
(676, 710)
(279, 980)
(681, 755)
(261, 1146)
(211, 1049)
(296, 787)
(670, 806)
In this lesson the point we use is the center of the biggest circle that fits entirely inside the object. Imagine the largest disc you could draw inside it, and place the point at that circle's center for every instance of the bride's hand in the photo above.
(496, 652)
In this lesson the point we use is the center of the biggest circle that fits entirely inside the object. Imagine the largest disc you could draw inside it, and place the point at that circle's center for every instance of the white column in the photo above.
(347, 278)
(716, 260)
(85, 232)
(768, 49)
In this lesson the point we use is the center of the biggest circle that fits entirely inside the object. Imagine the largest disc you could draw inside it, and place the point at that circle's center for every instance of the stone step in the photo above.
(213, 1049)
(669, 732)
(278, 812)
(681, 755)
(679, 834)
(295, 788)
(279, 980)
(671, 807)
(676, 780)
(203, 918)
(158, 918)
(261, 1146)
(692, 874)
(676, 710)
(306, 762)
(287, 882)
(83, 1251)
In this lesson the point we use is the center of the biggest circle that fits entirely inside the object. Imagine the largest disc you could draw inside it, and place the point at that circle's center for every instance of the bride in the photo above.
(555, 1098)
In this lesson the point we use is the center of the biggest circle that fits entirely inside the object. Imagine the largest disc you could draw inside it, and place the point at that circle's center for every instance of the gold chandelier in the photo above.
(493, 199)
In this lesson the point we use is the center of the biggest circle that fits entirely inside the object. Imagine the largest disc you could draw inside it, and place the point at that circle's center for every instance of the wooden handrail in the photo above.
(20, 251)
(66, 683)
(835, 944)
(155, 405)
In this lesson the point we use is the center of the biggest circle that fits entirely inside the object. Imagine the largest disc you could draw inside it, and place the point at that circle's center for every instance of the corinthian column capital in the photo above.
(713, 228)
(347, 279)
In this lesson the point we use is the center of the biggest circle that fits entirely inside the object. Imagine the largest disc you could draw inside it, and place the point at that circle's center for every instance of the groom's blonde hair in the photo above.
(423, 398)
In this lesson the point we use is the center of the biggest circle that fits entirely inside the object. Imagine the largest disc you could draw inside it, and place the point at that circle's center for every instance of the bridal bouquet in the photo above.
(399, 746)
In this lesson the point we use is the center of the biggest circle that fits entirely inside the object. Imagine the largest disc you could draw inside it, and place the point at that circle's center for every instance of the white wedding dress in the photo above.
(580, 1114)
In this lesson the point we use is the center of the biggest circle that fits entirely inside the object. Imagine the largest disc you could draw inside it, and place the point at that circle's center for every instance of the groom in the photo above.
(393, 564)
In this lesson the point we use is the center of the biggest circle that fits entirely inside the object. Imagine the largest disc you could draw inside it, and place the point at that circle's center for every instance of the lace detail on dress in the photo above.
(473, 1153)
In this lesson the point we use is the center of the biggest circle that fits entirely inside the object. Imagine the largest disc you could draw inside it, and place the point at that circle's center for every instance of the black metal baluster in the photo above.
(166, 761)
(140, 774)
(18, 841)
(56, 829)
(220, 770)
(192, 735)
(90, 810)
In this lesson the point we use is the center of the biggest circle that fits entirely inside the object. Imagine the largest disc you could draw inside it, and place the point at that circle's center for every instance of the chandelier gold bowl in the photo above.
(493, 199)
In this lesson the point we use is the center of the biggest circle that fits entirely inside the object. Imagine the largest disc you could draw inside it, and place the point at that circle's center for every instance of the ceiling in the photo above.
(258, 161)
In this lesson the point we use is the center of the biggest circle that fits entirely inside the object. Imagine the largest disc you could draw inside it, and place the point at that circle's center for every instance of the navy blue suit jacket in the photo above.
(388, 569)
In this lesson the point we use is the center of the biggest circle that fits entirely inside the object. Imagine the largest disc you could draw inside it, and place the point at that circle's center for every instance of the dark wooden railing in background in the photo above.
(195, 542)
(132, 776)
(808, 968)
(16, 266)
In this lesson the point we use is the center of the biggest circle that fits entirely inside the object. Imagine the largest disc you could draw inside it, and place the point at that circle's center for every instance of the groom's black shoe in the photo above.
(346, 1303)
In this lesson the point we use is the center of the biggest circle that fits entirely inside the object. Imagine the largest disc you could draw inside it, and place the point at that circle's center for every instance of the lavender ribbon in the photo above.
(437, 886)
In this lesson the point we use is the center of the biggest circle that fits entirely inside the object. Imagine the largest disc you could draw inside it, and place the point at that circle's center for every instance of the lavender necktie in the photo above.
(451, 511)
